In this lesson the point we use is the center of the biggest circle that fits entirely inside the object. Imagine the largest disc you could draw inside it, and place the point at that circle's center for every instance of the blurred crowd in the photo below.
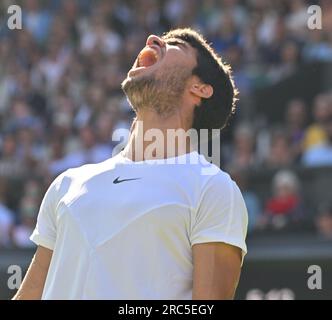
(60, 97)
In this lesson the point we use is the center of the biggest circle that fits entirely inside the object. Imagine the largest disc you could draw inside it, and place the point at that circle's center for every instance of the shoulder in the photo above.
(214, 177)
(79, 175)
(221, 189)
(218, 185)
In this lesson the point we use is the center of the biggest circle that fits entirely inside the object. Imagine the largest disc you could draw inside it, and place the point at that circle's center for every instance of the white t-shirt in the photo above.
(124, 230)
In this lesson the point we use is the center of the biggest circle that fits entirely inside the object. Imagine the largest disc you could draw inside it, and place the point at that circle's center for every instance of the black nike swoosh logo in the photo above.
(117, 180)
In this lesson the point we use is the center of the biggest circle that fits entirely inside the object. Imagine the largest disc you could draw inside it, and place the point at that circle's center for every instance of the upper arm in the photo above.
(218, 240)
(44, 236)
(34, 280)
(217, 268)
(221, 216)
(45, 232)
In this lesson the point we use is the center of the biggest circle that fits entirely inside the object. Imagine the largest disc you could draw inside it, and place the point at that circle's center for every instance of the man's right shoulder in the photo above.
(81, 174)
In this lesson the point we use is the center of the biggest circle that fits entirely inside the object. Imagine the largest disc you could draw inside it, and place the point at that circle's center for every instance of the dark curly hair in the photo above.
(213, 112)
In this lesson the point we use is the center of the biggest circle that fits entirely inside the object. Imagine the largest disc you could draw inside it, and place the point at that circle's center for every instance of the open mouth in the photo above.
(147, 58)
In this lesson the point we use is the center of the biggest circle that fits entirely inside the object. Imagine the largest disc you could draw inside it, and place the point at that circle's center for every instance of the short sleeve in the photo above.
(222, 215)
(44, 233)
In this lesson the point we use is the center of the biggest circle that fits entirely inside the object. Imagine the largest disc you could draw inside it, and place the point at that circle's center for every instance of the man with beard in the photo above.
(137, 226)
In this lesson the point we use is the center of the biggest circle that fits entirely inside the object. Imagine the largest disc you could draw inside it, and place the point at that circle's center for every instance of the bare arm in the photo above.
(34, 280)
(217, 268)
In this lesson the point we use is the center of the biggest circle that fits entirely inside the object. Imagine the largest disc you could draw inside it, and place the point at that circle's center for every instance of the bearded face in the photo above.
(159, 92)
(158, 77)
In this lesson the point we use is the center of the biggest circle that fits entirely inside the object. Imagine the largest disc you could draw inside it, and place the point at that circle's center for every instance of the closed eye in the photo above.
(174, 42)
(177, 42)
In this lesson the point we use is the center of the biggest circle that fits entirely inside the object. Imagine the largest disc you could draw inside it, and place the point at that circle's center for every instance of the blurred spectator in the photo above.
(28, 210)
(243, 153)
(280, 154)
(324, 221)
(28, 214)
(296, 118)
(318, 47)
(285, 208)
(99, 36)
(250, 198)
(321, 155)
(297, 18)
(53, 65)
(287, 62)
(6, 217)
(89, 152)
(315, 133)
(226, 35)
(10, 164)
(36, 19)
(326, 6)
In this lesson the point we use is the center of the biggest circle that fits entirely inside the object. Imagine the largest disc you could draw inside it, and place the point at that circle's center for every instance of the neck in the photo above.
(153, 136)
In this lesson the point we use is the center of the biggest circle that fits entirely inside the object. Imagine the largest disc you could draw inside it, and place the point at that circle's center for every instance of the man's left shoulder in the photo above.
(212, 175)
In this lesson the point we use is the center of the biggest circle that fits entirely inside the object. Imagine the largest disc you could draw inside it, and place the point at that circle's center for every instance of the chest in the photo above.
(137, 200)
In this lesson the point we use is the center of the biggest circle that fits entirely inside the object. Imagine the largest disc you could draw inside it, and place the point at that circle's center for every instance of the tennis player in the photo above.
(136, 226)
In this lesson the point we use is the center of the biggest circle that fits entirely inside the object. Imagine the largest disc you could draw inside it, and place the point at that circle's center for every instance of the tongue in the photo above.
(147, 58)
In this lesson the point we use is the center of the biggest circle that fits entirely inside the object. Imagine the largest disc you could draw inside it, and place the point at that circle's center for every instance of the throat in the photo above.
(150, 141)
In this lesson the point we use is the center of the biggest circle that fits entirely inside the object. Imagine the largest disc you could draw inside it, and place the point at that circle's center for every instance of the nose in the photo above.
(153, 39)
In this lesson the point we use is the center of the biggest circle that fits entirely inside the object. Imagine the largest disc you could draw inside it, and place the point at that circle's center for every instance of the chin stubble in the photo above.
(160, 93)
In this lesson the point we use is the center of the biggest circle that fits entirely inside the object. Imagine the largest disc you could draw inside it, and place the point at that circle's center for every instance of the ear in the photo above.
(201, 90)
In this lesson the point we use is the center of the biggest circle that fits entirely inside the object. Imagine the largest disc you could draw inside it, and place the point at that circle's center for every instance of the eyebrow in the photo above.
(180, 42)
